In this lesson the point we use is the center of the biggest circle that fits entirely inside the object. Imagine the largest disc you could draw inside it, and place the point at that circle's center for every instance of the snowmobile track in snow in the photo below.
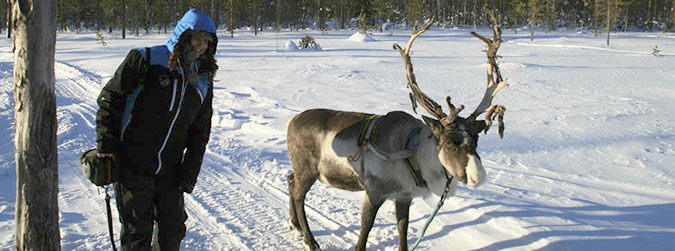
(257, 213)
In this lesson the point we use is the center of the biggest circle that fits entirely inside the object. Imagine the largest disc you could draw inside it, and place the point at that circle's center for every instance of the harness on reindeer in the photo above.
(366, 142)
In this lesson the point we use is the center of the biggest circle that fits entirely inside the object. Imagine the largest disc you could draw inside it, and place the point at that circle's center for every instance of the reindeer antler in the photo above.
(417, 96)
(495, 81)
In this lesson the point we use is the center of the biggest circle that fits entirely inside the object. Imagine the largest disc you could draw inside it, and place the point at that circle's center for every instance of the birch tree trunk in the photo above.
(37, 214)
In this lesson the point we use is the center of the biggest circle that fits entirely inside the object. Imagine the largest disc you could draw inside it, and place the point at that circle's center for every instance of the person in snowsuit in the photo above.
(154, 120)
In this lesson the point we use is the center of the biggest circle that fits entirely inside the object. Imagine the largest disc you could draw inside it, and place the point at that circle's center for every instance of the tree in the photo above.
(160, 14)
(9, 18)
(321, 15)
(609, 19)
(518, 11)
(37, 214)
(608, 11)
(550, 10)
(534, 7)
(255, 15)
(277, 14)
(649, 14)
(4, 9)
(230, 11)
(440, 12)
(541, 12)
(124, 19)
(215, 12)
(365, 19)
(414, 12)
(113, 10)
(344, 13)
(385, 10)
(298, 14)
(148, 16)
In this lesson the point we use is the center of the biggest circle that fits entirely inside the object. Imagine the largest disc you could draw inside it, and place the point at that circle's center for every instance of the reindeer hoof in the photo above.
(313, 247)
(295, 229)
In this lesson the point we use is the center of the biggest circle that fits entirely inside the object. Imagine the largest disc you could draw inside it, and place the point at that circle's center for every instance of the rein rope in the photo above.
(438, 207)
(364, 145)
(110, 221)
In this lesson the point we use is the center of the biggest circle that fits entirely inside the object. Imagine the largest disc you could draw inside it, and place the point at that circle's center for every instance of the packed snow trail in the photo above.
(227, 212)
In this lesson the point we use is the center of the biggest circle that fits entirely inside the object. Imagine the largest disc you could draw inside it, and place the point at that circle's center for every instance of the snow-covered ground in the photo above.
(587, 161)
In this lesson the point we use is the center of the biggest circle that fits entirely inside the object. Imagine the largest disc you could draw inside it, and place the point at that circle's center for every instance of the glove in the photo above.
(185, 186)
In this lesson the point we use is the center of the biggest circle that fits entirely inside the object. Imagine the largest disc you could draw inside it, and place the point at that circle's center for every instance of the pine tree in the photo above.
(550, 14)
(148, 16)
(384, 10)
(366, 18)
(606, 12)
(3, 15)
(518, 11)
(672, 15)
(413, 13)
(115, 14)
(230, 11)
(535, 9)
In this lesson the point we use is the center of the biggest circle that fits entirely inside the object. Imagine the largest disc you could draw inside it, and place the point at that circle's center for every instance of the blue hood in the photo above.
(192, 20)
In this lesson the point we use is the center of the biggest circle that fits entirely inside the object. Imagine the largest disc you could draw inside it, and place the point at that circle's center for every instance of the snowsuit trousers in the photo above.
(144, 200)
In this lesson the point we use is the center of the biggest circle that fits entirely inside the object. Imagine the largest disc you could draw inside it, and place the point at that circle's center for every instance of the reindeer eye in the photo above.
(449, 145)
(451, 141)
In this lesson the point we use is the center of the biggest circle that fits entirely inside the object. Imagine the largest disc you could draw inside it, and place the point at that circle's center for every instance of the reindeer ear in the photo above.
(435, 125)
(480, 125)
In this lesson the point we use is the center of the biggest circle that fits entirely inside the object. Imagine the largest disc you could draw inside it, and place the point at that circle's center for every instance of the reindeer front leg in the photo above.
(368, 212)
(402, 210)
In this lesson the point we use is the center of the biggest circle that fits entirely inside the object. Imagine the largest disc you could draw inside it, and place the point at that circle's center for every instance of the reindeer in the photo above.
(392, 157)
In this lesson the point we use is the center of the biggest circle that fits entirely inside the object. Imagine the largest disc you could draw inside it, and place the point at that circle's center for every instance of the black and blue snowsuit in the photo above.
(156, 122)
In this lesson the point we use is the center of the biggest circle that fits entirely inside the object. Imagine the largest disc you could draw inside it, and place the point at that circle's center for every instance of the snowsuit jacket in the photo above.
(154, 117)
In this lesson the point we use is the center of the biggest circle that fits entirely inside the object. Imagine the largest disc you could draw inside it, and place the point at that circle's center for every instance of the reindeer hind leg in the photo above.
(301, 186)
(305, 173)
(294, 224)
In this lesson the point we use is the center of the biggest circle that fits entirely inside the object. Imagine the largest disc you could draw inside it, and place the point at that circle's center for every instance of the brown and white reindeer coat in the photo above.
(326, 145)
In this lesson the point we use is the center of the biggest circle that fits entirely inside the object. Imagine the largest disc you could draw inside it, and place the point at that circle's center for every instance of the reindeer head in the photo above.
(457, 137)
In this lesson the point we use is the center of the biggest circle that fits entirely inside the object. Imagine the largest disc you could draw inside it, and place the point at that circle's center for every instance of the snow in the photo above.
(361, 37)
(290, 46)
(587, 161)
